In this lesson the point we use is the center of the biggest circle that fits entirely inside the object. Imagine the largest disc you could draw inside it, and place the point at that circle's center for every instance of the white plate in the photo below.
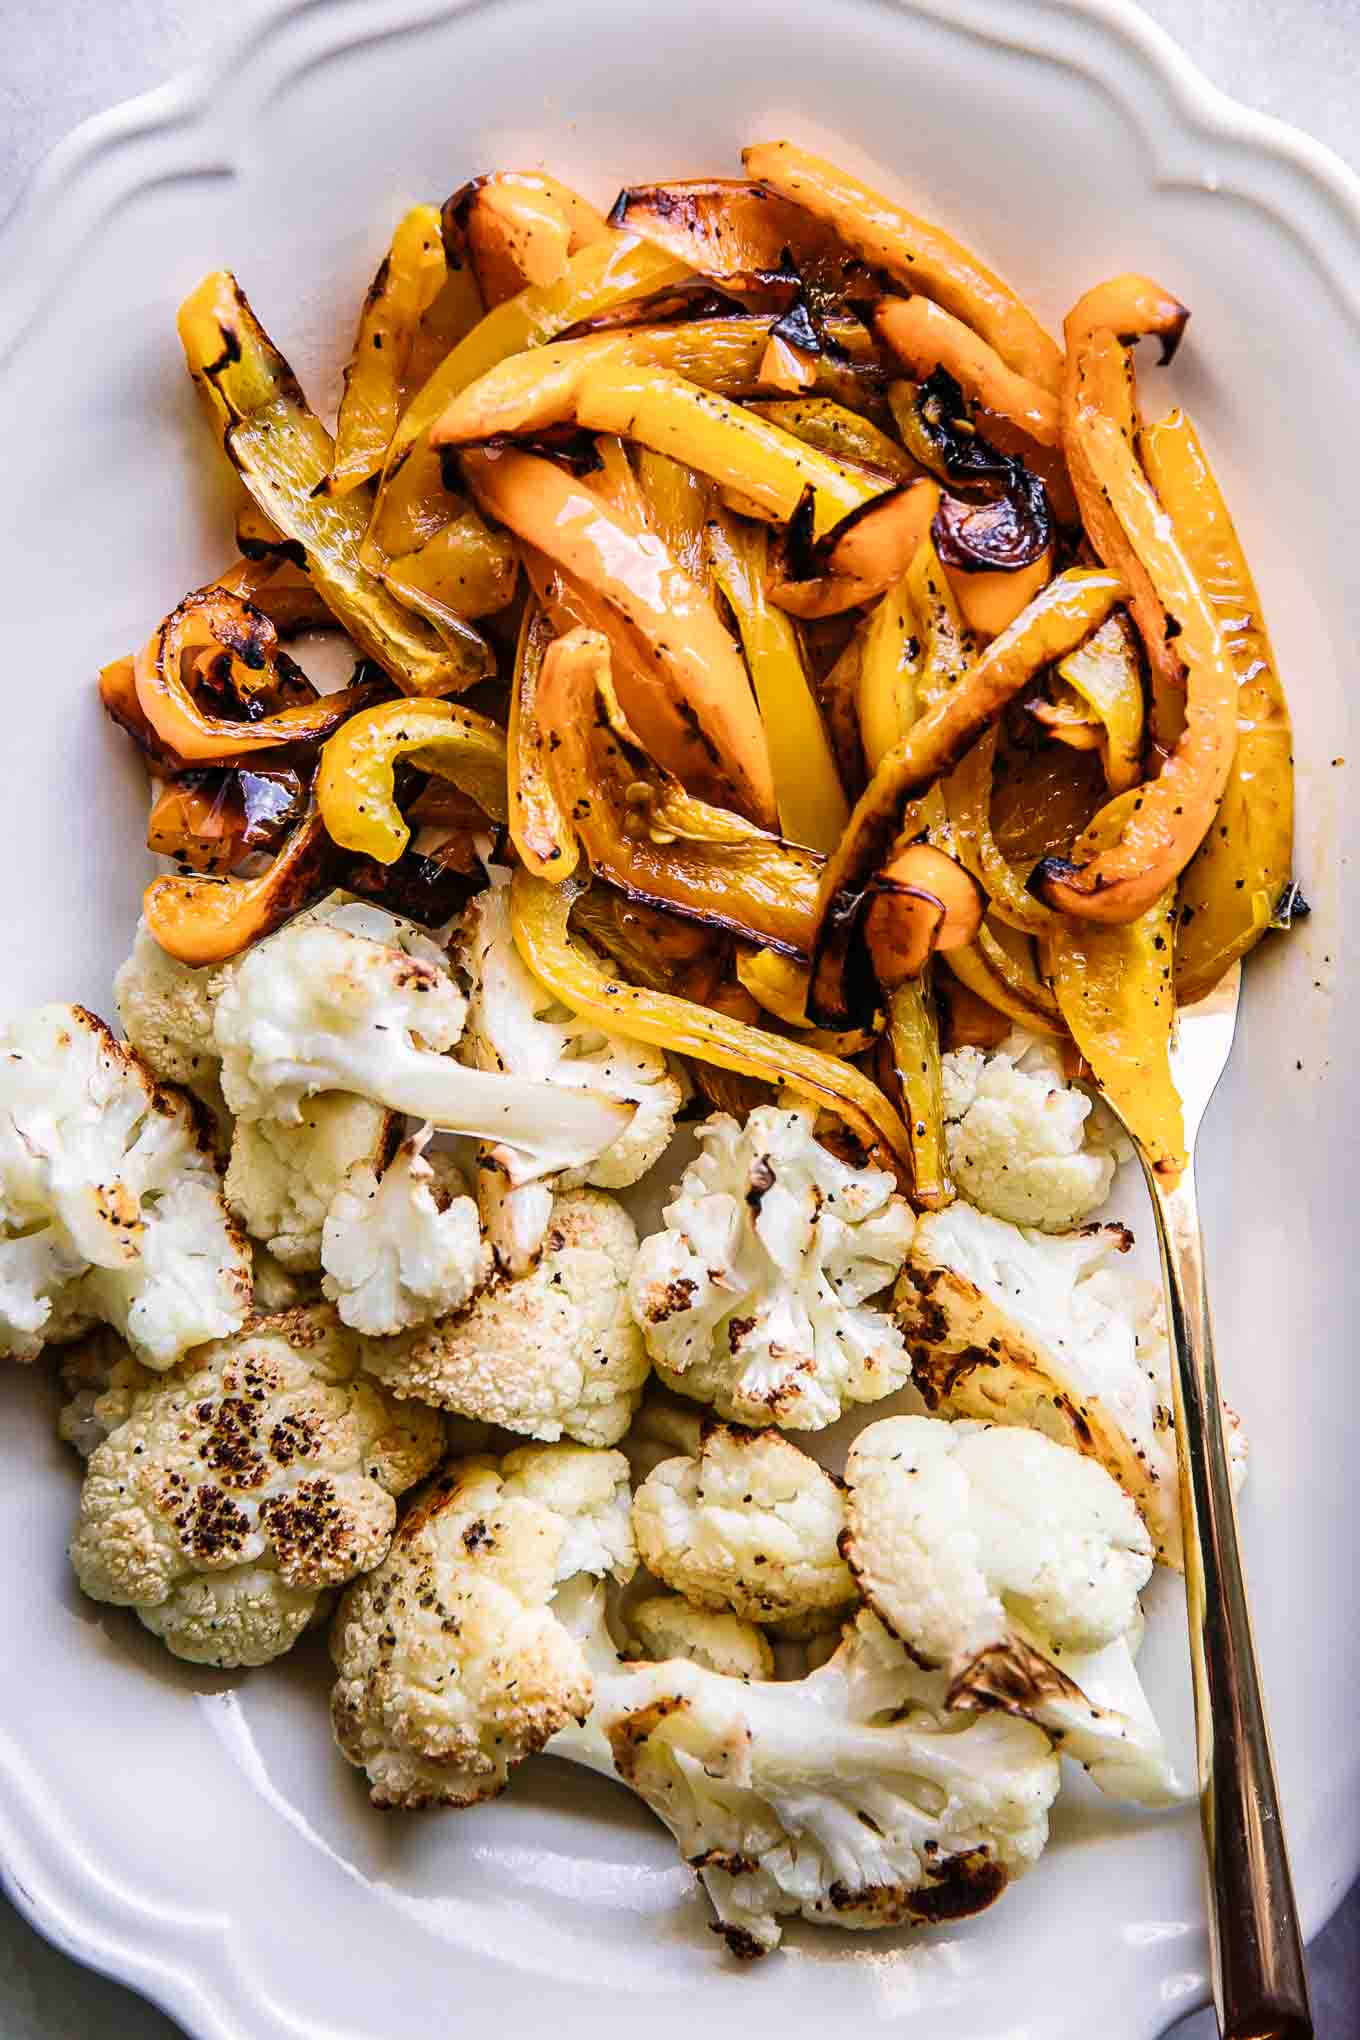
(193, 1833)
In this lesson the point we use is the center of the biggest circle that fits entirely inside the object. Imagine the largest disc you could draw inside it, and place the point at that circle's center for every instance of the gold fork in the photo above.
(1260, 1982)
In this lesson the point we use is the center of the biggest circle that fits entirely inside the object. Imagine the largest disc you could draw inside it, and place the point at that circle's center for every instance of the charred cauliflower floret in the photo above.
(283, 1177)
(451, 1663)
(749, 1523)
(239, 1487)
(1014, 1565)
(1017, 1134)
(551, 1353)
(166, 1009)
(403, 1246)
(668, 1626)
(110, 1203)
(753, 1298)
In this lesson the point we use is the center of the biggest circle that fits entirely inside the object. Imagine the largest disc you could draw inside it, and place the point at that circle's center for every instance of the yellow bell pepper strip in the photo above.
(785, 367)
(539, 829)
(409, 279)
(354, 782)
(721, 227)
(924, 337)
(1010, 956)
(1114, 986)
(1105, 673)
(918, 256)
(839, 433)
(913, 648)
(615, 480)
(689, 697)
(203, 920)
(859, 559)
(640, 830)
(778, 983)
(575, 975)
(519, 228)
(809, 797)
(465, 570)
(677, 506)
(241, 648)
(911, 1049)
(1170, 816)
(282, 452)
(603, 390)
(968, 799)
(1067, 718)
(990, 603)
(1100, 381)
(1231, 886)
(449, 320)
(1054, 624)
(838, 698)
(973, 971)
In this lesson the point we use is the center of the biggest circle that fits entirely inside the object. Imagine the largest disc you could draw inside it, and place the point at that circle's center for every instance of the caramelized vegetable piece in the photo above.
(208, 920)
(519, 228)
(1009, 955)
(464, 571)
(911, 1052)
(1168, 819)
(1114, 988)
(677, 506)
(968, 799)
(118, 698)
(355, 780)
(722, 228)
(576, 976)
(1105, 674)
(539, 829)
(975, 974)
(920, 257)
(912, 649)
(212, 820)
(841, 434)
(283, 591)
(1231, 886)
(812, 806)
(684, 688)
(642, 832)
(1054, 624)
(924, 337)
(990, 603)
(409, 279)
(282, 453)
(921, 901)
(1100, 381)
(233, 652)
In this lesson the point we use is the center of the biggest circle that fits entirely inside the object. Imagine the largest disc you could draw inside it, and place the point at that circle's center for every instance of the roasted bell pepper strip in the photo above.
(722, 227)
(913, 649)
(860, 558)
(677, 506)
(604, 390)
(519, 228)
(1010, 956)
(642, 832)
(208, 920)
(576, 976)
(968, 798)
(448, 321)
(1105, 673)
(118, 697)
(690, 699)
(282, 452)
(916, 255)
(973, 971)
(227, 629)
(809, 797)
(923, 900)
(1171, 814)
(1054, 624)
(465, 570)
(354, 782)
(911, 1048)
(1231, 886)
(283, 591)
(924, 337)
(1114, 988)
(1067, 718)
(615, 480)
(839, 433)
(409, 279)
(1100, 381)
(539, 829)
(778, 983)
(211, 820)
(990, 603)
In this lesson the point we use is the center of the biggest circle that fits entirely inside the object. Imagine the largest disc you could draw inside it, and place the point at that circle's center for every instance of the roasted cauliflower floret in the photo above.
(514, 1026)
(668, 1626)
(749, 1523)
(663, 1427)
(853, 1797)
(239, 1487)
(405, 1246)
(1016, 1133)
(451, 1663)
(753, 1297)
(99, 1378)
(110, 1203)
(283, 1176)
(551, 1353)
(1015, 1566)
(166, 1010)
(1021, 1327)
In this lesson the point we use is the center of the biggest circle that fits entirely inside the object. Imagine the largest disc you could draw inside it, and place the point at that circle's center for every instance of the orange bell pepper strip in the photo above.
(204, 920)
(539, 829)
(520, 227)
(924, 337)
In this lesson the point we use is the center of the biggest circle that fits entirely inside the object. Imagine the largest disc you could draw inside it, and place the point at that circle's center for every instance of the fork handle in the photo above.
(1260, 1982)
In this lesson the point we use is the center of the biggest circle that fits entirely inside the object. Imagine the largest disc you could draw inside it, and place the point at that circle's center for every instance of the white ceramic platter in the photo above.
(193, 1833)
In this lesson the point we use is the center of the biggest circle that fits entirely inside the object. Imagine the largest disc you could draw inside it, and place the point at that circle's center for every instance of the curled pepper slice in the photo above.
(232, 648)
(575, 975)
(642, 832)
(205, 920)
(684, 687)
(355, 780)
(1054, 624)
(918, 256)
(1105, 673)
(1167, 820)
(925, 337)
(968, 798)
(409, 279)
(1232, 884)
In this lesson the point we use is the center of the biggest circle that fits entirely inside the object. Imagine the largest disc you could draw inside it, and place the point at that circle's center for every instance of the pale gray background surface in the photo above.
(64, 59)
